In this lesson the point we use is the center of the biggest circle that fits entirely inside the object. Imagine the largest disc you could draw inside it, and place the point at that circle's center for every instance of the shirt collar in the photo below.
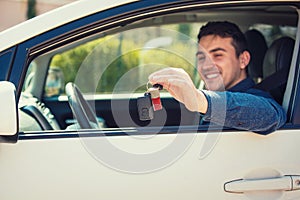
(243, 85)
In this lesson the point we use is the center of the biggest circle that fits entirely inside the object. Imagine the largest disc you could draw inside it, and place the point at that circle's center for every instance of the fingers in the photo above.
(166, 76)
(181, 87)
(175, 80)
(167, 71)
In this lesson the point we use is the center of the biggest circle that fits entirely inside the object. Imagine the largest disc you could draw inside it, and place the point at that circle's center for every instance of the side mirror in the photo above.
(8, 110)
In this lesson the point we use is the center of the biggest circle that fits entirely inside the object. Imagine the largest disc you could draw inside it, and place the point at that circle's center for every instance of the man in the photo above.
(230, 99)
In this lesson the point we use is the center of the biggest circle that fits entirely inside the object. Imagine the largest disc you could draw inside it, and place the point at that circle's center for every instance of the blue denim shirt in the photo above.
(245, 108)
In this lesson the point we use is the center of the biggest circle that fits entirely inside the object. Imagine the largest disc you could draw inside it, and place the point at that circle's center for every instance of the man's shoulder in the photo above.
(248, 86)
(259, 92)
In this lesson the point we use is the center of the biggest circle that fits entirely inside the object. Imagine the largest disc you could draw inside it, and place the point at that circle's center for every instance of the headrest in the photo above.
(276, 67)
(278, 56)
(257, 47)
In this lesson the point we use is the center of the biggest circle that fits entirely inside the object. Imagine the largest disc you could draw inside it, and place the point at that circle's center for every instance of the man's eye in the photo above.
(218, 55)
(201, 58)
(201, 62)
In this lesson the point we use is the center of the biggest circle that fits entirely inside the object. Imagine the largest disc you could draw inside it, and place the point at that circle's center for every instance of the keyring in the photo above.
(147, 85)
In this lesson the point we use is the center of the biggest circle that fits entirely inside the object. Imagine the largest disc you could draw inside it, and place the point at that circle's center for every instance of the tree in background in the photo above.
(31, 11)
(185, 29)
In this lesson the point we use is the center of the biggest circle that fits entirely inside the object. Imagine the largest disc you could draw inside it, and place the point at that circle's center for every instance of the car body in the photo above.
(108, 49)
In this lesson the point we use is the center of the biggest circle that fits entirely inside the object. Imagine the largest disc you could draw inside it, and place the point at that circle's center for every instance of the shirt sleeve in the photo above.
(244, 111)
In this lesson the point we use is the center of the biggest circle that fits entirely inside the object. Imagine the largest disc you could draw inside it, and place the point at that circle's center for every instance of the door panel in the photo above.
(67, 168)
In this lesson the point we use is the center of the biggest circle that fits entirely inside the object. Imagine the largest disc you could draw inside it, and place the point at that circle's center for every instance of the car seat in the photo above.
(257, 46)
(276, 67)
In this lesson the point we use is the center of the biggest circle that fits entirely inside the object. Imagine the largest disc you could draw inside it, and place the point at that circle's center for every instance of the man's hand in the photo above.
(181, 87)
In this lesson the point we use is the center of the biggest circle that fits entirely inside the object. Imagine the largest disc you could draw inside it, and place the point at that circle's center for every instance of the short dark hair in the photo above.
(225, 29)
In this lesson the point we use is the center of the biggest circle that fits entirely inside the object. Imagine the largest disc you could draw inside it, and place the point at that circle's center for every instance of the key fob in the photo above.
(155, 98)
(145, 108)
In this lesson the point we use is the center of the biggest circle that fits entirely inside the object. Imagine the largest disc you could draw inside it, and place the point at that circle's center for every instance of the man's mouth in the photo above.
(211, 76)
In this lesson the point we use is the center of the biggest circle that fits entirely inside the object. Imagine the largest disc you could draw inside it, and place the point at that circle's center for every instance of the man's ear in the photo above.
(244, 59)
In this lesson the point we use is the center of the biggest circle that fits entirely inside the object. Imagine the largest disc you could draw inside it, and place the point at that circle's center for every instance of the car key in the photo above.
(145, 108)
(149, 102)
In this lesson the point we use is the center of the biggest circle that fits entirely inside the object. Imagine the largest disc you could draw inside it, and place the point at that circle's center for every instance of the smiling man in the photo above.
(230, 98)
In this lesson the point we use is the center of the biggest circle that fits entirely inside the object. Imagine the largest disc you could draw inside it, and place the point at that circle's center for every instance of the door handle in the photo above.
(284, 183)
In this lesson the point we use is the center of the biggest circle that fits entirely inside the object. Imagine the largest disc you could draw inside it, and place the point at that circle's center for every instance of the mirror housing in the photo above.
(9, 111)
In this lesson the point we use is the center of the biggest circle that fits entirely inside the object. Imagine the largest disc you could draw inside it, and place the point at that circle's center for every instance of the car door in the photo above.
(130, 159)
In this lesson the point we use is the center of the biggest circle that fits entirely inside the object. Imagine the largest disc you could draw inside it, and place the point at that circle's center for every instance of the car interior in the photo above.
(46, 105)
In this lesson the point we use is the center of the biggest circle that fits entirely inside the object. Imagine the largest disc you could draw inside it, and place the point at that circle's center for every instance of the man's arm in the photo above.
(244, 111)
(230, 109)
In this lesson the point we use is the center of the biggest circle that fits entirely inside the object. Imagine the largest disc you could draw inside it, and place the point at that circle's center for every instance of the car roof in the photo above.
(53, 19)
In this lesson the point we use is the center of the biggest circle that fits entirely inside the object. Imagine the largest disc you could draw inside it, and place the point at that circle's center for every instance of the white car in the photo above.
(87, 141)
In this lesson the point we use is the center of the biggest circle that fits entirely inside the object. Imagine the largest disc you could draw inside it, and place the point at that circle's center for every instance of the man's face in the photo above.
(217, 63)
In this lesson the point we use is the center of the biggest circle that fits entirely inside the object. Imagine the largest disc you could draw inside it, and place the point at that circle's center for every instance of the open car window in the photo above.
(115, 65)
(121, 63)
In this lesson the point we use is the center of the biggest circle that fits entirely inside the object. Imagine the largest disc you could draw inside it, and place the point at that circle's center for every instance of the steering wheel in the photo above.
(82, 111)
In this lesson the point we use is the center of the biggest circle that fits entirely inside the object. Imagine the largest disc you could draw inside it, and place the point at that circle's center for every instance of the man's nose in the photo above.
(207, 66)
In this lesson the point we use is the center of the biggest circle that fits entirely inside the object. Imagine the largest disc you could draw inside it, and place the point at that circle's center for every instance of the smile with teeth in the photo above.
(211, 76)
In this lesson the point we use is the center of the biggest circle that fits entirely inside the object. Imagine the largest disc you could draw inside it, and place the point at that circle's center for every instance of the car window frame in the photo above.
(38, 48)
